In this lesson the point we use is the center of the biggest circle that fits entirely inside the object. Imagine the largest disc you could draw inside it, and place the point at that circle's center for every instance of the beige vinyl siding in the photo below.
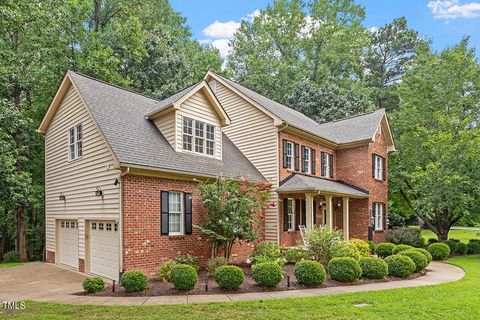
(199, 108)
(77, 179)
(166, 125)
(255, 134)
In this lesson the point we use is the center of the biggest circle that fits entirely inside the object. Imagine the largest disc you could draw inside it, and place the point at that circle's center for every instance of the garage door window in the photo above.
(94, 226)
(100, 226)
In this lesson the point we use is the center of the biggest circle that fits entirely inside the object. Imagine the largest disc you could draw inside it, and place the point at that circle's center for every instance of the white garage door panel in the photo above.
(68, 243)
(104, 249)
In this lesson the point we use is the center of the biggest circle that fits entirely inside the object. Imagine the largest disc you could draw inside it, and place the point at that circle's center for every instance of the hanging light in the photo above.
(99, 192)
(61, 197)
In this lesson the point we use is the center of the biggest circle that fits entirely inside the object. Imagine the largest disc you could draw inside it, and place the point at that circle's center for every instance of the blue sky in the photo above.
(444, 22)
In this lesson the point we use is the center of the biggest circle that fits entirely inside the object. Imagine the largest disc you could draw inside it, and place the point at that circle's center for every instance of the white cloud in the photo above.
(453, 9)
(222, 46)
(221, 30)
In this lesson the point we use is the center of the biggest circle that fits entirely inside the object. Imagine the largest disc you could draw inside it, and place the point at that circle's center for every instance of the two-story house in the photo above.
(122, 170)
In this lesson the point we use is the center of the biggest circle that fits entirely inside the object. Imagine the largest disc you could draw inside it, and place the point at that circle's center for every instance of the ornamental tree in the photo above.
(234, 211)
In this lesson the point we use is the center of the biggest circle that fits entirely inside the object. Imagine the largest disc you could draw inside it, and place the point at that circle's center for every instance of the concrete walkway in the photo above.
(50, 283)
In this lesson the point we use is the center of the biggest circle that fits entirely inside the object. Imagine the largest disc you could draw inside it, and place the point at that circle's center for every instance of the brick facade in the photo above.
(81, 265)
(50, 256)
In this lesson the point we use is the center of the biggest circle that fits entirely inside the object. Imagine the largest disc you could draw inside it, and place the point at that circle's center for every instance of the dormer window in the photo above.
(201, 140)
(75, 142)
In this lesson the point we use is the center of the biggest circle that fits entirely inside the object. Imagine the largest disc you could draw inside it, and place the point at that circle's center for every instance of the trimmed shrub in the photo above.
(439, 251)
(214, 263)
(362, 246)
(432, 240)
(267, 274)
(165, 270)
(419, 259)
(324, 244)
(474, 240)
(134, 281)
(401, 247)
(410, 236)
(267, 251)
(372, 246)
(384, 249)
(462, 248)
(229, 277)
(344, 269)
(473, 247)
(425, 253)
(309, 273)
(373, 268)
(347, 250)
(11, 257)
(400, 266)
(183, 277)
(188, 260)
(92, 285)
(294, 254)
(453, 245)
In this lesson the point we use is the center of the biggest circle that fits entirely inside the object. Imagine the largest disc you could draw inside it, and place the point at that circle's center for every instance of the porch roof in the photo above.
(303, 183)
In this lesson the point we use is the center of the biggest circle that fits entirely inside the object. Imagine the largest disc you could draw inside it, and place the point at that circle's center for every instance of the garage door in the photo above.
(104, 249)
(68, 243)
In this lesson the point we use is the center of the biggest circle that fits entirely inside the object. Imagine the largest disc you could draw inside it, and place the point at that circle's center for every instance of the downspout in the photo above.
(120, 222)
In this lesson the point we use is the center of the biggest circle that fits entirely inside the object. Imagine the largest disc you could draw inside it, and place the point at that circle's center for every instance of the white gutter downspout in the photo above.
(120, 222)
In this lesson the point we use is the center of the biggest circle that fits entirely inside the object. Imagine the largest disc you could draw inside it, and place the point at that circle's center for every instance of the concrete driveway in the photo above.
(35, 280)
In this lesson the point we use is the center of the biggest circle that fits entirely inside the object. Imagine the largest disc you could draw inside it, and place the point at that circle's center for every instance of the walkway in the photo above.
(50, 283)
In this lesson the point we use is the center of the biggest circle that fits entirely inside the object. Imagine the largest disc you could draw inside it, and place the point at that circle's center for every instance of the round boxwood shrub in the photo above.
(309, 273)
(473, 247)
(401, 247)
(229, 277)
(384, 249)
(134, 281)
(462, 248)
(439, 251)
(373, 268)
(453, 245)
(400, 266)
(92, 285)
(183, 277)
(425, 253)
(344, 269)
(267, 274)
(11, 257)
(362, 246)
(419, 259)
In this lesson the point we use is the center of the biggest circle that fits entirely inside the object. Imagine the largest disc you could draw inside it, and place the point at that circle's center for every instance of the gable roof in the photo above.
(136, 141)
(353, 129)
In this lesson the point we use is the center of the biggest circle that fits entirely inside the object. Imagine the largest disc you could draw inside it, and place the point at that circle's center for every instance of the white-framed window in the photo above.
(326, 159)
(290, 155)
(94, 226)
(109, 227)
(62, 224)
(378, 167)
(290, 214)
(100, 226)
(75, 142)
(175, 213)
(306, 159)
(378, 207)
(198, 136)
(210, 140)
(187, 134)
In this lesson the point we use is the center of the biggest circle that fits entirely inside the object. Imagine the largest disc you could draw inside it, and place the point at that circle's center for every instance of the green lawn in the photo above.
(10, 264)
(463, 235)
(459, 300)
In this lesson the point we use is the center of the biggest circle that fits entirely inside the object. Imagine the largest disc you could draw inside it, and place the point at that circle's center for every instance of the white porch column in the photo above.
(329, 206)
(309, 209)
(346, 223)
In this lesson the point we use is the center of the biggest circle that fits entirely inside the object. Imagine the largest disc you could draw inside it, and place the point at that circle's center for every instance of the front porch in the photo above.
(310, 201)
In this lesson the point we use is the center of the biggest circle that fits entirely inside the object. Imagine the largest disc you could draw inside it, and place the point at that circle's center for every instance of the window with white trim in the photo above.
(175, 213)
(378, 207)
(210, 140)
(306, 159)
(75, 142)
(198, 136)
(378, 167)
(187, 134)
(326, 158)
(291, 214)
(290, 155)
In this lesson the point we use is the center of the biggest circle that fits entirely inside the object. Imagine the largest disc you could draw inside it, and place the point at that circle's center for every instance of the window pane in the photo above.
(187, 143)
(72, 151)
(175, 211)
(72, 135)
(79, 148)
(174, 222)
(199, 145)
(210, 147)
(210, 132)
(199, 129)
(187, 126)
(289, 155)
(79, 132)
(174, 202)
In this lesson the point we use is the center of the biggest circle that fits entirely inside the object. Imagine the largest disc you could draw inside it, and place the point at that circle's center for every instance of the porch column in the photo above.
(346, 223)
(329, 208)
(309, 209)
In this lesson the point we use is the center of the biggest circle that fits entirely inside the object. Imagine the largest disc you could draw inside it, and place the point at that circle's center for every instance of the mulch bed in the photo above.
(159, 288)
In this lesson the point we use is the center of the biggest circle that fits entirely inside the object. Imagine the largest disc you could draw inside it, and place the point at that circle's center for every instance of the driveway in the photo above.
(35, 280)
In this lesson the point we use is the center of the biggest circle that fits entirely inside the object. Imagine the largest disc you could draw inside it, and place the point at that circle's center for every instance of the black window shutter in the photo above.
(330, 160)
(304, 212)
(314, 164)
(303, 159)
(322, 169)
(314, 212)
(164, 212)
(297, 214)
(384, 216)
(187, 198)
(296, 156)
(373, 166)
(384, 165)
(285, 214)
(285, 153)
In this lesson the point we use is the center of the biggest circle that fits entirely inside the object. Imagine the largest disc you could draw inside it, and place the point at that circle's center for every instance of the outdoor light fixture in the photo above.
(116, 182)
(339, 203)
(61, 197)
(99, 192)
(372, 220)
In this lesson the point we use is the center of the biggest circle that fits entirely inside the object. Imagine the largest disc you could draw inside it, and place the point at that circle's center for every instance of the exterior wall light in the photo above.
(116, 182)
(99, 192)
(62, 197)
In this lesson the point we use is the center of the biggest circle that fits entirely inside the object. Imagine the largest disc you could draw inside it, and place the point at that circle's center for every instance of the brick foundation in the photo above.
(81, 265)
(50, 256)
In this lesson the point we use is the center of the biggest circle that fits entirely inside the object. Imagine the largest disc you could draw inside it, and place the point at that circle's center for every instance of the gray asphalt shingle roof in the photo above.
(162, 104)
(356, 128)
(135, 140)
(299, 182)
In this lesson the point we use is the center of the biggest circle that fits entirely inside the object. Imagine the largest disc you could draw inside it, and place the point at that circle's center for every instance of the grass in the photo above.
(459, 300)
(463, 235)
(10, 264)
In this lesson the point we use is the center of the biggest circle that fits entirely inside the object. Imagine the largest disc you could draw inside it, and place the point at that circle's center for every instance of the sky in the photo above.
(444, 22)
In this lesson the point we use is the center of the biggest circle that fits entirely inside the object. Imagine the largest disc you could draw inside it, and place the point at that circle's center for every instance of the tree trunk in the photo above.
(21, 241)
(96, 15)
(3, 238)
